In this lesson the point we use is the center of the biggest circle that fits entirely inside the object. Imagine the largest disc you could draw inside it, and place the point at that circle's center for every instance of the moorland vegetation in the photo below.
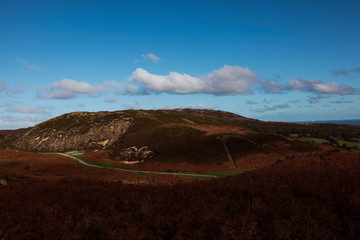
(297, 181)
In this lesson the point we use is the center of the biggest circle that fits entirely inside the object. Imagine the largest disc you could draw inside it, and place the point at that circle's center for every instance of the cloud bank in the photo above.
(320, 87)
(69, 88)
(229, 80)
(270, 86)
(315, 86)
(30, 110)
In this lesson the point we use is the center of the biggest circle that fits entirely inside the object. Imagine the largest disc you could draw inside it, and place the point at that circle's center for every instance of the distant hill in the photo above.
(354, 122)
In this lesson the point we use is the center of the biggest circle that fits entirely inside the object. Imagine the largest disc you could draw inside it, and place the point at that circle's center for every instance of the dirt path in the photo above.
(262, 146)
(137, 171)
(226, 146)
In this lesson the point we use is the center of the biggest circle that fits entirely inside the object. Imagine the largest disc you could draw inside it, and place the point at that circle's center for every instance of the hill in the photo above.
(164, 136)
(195, 137)
(354, 122)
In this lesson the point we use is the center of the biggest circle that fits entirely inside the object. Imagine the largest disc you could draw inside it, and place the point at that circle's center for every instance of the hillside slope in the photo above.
(169, 136)
(166, 135)
(80, 130)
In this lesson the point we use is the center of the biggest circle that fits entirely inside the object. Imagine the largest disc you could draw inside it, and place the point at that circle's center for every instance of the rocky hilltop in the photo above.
(171, 136)
(79, 130)
(104, 130)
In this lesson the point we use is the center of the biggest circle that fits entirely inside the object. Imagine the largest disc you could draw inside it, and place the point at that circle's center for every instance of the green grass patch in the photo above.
(80, 155)
(349, 144)
(141, 174)
(102, 164)
(230, 172)
(313, 140)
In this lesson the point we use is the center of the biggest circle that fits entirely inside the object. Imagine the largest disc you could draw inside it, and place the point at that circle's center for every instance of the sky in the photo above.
(268, 60)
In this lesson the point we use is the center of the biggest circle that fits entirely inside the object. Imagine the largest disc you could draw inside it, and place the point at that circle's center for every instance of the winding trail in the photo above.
(249, 140)
(227, 149)
(137, 171)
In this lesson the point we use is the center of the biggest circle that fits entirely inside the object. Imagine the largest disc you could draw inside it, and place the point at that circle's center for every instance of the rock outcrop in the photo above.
(80, 130)
(136, 155)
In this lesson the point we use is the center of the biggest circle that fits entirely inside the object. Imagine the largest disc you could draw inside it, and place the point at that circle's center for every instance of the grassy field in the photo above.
(217, 173)
(340, 142)
(314, 140)
(79, 155)
(101, 164)
(349, 144)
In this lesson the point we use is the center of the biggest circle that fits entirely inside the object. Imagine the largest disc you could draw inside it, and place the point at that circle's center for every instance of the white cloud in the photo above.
(193, 106)
(172, 83)
(30, 110)
(320, 87)
(316, 86)
(343, 71)
(8, 90)
(206, 106)
(271, 86)
(69, 88)
(15, 122)
(28, 65)
(130, 89)
(130, 105)
(317, 98)
(152, 57)
(198, 106)
(69, 85)
(272, 108)
(228, 80)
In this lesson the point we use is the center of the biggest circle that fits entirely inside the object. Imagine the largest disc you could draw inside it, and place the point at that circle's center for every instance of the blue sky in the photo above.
(269, 60)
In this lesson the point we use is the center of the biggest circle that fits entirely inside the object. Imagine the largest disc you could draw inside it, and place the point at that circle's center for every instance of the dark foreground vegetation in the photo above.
(316, 196)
